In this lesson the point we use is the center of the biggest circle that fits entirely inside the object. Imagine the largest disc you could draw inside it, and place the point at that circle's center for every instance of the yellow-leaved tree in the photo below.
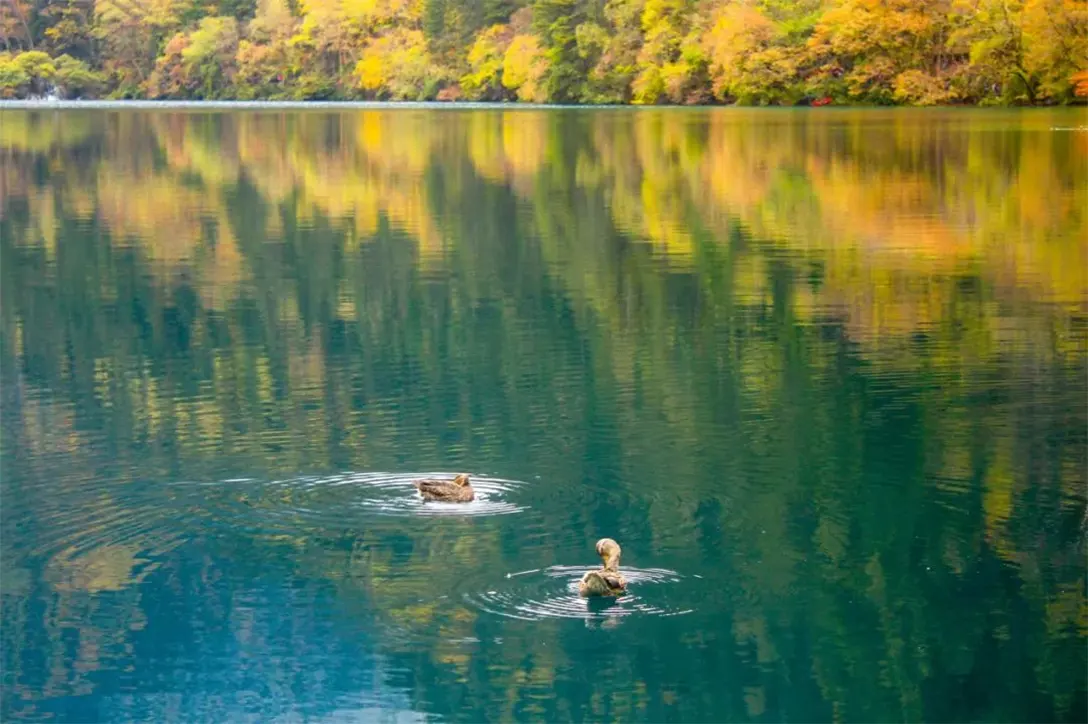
(861, 47)
(1024, 50)
(132, 33)
(342, 38)
(199, 63)
(486, 58)
(265, 61)
(748, 60)
(671, 63)
(524, 67)
(398, 65)
(1056, 45)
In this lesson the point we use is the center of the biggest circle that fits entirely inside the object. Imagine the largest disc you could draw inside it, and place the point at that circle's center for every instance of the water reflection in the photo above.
(822, 373)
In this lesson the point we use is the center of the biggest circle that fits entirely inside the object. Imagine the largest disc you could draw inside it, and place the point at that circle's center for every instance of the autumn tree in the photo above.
(485, 58)
(397, 65)
(133, 33)
(525, 69)
(671, 61)
(68, 28)
(265, 60)
(1056, 45)
(74, 79)
(881, 51)
(610, 49)
(210, 55)
(555, 23)
(16, 17)
(749, 61)
(36, 71)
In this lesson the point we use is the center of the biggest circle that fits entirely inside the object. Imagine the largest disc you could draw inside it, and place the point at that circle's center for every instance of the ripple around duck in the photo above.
(404, 499)
(331, 502)
(553, 593)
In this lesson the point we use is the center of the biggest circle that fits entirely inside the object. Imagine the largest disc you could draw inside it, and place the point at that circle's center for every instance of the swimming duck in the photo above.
(605, 581)
(459, 491)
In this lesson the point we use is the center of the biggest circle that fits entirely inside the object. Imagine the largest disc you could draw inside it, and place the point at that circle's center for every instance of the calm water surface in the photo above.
(822, 374)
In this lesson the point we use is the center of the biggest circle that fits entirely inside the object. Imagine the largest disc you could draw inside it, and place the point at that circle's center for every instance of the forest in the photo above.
(692, 52)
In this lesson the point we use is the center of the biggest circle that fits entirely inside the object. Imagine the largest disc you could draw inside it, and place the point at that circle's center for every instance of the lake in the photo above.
(822, 373)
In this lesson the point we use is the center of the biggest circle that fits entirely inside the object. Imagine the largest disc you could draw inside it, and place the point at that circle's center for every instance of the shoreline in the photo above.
(24, 104)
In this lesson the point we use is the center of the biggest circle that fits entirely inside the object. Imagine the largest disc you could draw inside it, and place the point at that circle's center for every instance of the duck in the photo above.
(607, 580)
(458, 491)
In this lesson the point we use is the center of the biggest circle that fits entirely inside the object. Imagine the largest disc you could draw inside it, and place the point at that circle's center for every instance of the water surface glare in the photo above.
(821, 372)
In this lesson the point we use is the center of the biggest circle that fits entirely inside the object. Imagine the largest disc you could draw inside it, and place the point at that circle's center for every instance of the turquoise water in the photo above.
(822, 375)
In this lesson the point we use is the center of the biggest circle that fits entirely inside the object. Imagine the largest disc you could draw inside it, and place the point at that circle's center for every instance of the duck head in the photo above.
(461, 480)
(609, 551)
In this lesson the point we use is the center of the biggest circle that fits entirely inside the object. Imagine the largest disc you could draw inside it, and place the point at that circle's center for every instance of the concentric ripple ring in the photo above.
(553, 593)
(333, 502)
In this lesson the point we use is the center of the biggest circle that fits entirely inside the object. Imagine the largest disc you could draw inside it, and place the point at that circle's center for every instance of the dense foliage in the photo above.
(570, 51)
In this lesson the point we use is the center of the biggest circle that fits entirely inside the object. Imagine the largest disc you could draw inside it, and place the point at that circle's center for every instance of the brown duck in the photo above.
(457, 491)
(607, 580)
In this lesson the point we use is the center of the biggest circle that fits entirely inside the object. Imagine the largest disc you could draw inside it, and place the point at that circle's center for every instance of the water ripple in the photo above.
(398, 495)
(553, 593)
(333, 502)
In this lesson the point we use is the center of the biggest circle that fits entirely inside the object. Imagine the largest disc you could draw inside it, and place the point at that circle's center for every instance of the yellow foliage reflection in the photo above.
(780, 261)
